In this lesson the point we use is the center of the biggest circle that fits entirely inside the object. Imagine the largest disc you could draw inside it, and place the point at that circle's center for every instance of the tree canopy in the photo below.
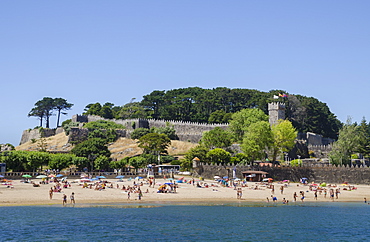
(44, 108)
(154, 143)
(216, 138)
(217, 105)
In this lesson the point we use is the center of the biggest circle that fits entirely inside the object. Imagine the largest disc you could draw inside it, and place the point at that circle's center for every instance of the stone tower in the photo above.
(276, 112)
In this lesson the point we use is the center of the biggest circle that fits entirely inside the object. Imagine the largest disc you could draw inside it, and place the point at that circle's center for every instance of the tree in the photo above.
(43, 110)
(348, 142)
(239, 158)
(61, 104)
(138, 162)
(106, 112)
(284, 135)
(103, 129)
(37, 112)
(139, 132)
(15, 160)
(92, 109)
(199, 151)
(91, 148)
(218, 156)
(36, 159)
(101, 163)
(364, 138)
(219, 116)
(154, 143)
(120, 164)
(60, 161)
(241, 120)
(133, 110)
(80, 162)
(216, 138)
(257, 139)
(168, 130)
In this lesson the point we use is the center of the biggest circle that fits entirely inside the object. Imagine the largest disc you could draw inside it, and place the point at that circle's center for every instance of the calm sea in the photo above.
(227, 222)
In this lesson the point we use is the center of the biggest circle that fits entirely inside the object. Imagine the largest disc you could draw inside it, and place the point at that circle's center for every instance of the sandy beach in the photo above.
(20, 193)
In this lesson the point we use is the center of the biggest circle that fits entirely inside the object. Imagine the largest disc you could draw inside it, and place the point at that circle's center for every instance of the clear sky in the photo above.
(113, 51)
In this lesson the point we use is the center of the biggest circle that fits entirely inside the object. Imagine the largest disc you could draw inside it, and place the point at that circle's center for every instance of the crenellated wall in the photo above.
(186, 131)
(316, 173)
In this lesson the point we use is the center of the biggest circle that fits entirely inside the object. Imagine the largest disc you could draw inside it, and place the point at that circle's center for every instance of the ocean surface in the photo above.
(202, 222)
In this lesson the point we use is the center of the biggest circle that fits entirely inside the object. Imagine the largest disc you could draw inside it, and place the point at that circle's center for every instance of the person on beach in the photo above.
(128, 195)
(51, 193)
(365, 200)
(295, 196)
(267, 199)
(72, 197)
(337, 191)
(140, 194)
(272, 189)
(315, 195)
(282, 189)
(331, 194)
(274, 199)
(64, 199)
(239, 193)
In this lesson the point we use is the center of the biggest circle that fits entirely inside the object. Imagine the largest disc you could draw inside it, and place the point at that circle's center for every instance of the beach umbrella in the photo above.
(1, 176)
(41, 176)
(101, 177)
(85, 180)
(120, 177)
(64, 178)
(170, 179)
(51, 175)
(27, 176)
(225, 177)
(59, 175)
(138, 177)
(216, 177)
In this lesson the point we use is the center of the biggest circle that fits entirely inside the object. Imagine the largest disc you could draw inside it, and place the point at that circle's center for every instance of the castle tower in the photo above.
(276, 112)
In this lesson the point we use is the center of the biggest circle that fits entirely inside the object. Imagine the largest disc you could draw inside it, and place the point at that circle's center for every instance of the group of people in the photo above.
(71, 197)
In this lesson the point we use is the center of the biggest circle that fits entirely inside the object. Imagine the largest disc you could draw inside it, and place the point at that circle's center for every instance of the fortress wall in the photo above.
(328, 173)
(79, 134)
(28, 135)
(186, 131)
(320, 151)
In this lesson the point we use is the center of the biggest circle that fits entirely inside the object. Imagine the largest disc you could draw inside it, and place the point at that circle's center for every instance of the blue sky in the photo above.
(113, 51)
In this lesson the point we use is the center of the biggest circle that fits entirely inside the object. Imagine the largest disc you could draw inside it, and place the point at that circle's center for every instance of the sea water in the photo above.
(202, 222)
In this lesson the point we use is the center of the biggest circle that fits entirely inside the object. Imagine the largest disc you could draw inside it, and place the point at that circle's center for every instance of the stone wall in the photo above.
(320, 151)
(28, 135)
(186, 131)
(317, 174)
(80, 134)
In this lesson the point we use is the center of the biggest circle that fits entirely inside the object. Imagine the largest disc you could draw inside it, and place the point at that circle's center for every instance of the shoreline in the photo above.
(24, 194)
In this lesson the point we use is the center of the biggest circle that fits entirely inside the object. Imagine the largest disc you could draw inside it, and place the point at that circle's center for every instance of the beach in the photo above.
(17, 192)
